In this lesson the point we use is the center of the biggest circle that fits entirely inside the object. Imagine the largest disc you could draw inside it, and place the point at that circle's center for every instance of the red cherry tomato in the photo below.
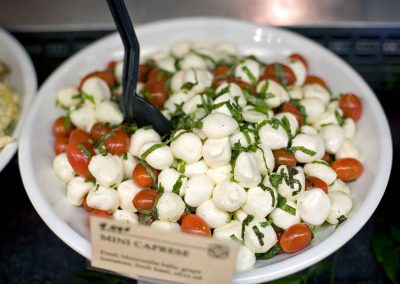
(351, 106)
(316, 182)
(145, 199)
(142, 72)
(281, 73)
(117, 143)
(104, 75)
(157, 74)
(79, 136)
(284, 157)
(348, 169)
(220, 71)
(60, 144)
(295, 238)
(99, 129)
(291, 108)
(141, 177)
(297, 56)
(195, 225)
(62, 127)
(156, 93)
(316, 80)
(111, 66)
(79, 155)
(86, 206)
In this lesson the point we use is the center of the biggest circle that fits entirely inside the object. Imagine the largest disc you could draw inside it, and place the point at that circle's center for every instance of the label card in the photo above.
(141, 251)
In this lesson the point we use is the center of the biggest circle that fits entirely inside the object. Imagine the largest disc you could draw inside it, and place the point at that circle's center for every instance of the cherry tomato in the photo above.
(60, 144)
(144, 218)
(351, 106)
(316, 80)
(195, 225)
(299, 57)
(99, 129)
(156, 93)
(284, 157)
(295, 238)
(104, 75)
(243, 85)
(290, 107)
(348, 169)
(86, 206)
(157, 74)
(220, 71)
(145, 199)
(118, 142)
(316, 182)
(111, 66)
(79, 155)
(141, 177)
(62, 127)
(142, 72)
(79, 136)
(98, 213)
(281, 73)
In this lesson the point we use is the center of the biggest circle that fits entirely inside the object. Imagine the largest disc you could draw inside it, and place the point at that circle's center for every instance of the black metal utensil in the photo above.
(134, 107)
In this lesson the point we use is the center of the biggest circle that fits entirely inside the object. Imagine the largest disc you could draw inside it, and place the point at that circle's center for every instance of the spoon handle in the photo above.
(132, 50)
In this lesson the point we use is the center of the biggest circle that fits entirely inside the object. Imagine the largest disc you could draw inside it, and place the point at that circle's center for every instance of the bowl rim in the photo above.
(30, 87)
(259, 274)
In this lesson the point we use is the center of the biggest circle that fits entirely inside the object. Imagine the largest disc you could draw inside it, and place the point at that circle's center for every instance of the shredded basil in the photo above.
(236, 239)
(125, 156)
(250, 75)
(181, 167)
(67, 121)
(223, 91)
(147, 168)
(286, 125)
(280, 74)
(275, 180)
(85, 151)
(259, 235)
(86, 96)
(272, 252)
(339, 118)
(341, 219)
(246, 222)
(204, 56)
(188, 86)
(265, 223)
(320, 162)
(304, 150)
(282, 205)
(151, 149)
(147, 95)
(259, 104)
(178, 184)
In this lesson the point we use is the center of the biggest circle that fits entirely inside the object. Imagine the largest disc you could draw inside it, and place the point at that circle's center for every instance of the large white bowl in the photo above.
(47, 193)
(22, 80)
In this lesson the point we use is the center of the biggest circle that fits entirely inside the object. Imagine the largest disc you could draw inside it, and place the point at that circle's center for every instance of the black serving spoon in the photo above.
(134, 107)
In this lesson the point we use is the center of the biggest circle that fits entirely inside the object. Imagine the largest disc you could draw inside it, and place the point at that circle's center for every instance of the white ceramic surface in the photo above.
(47, 192)
(22, 80)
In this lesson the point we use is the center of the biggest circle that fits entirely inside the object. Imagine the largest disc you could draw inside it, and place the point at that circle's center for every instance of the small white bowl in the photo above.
(22, 79)
(47, 193)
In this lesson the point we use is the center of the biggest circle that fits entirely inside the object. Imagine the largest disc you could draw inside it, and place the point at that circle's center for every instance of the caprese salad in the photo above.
(261, 152)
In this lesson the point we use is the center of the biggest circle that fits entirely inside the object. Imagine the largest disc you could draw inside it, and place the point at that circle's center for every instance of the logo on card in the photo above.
(218, 251)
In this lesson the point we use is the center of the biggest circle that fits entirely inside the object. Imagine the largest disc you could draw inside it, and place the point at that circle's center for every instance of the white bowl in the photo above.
(22, 79)
(47, 192)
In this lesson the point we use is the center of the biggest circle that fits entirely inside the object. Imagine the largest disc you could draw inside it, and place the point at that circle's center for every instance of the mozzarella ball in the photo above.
(118, 71)
(166, 226)
(181, 144)
(220, 173)
(306, 129)
(248, 70)
(97, 88)
(348, 150)
(332, 106)
(225, 232)
(127, 191)
(314, 206)
(176, 99)
(285, 188)
(349, 128)
(213, 216)
(68, 97)
(224, 48)
(228, 196)
(218, 125)
(341, 206)
(310, 142)
(252, 240)
(181, 48)
(107, 170)
(277, 93)
(197, 168)
(177, 81)
(265, 159)
(140, 137)
(234, 92)
(161, 158)
(321, 171)
(170, 207)
(191, 104)
(77, 189)
(290, 119)
(201, 79)
(299, 70)
(295, 93)
(333, 136)
(125, 216)
(246, 170)
(245, 259)
(84, 117)
(273, 138)
(329, 117)
(170, 178)
(63, 168)
(192, 61)
(220, 104)
(313, 107)
(244, 138)
(129, 164)
(109, 111)
(340, 186)
(259, 202)
(199, 189)
(316, 91)
(240, 215)
(103, 198)
(251, 115)
(284, 219)
(217, 152)
(167, 63)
